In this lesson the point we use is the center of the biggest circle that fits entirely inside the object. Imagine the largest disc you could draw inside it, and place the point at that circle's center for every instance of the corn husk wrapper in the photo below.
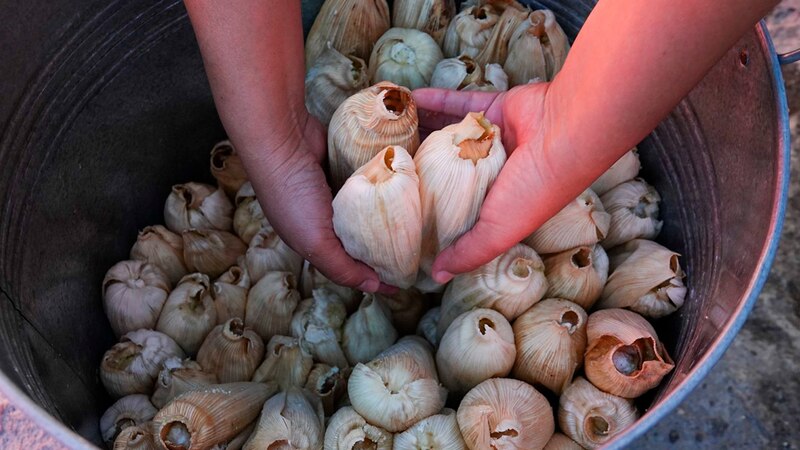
(577, 275)
(648, 281)
(427, 327)
(407, 307)
(231, 351)
(230, 294)
(347, 430)
(271, 303)
(583, 221)
(268, 253)
(550, 340)
(439, 431)
(227, 168)
(210, 416)
(625, 357)
(332, 79)
(329, 384)
(318, 323)
(505, 413)
(494, 79)
(405, 57)
(478, 345)
(197, 205)
(312, 279)
(456, 165)
(248, 219)
(368, 122)
(189, 313)
(286, 363)
(538, 49)
(561, 442)
(131, 366)
(368, 331)
(377, 216)
(134, 292)
(509, 284)
(469, 31)
(591, 417)
(496, 49)
(633, 207)
(238, 441)
(138, 437)
(625, 169)
(129, 411)
(398, 388)
(178, 376)
(211, 252)
(159, 246)
(463, 73)
(292, 420)
(430, 16)
(350, 26)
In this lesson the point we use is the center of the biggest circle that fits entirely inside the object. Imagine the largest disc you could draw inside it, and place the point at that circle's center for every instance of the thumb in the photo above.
(441, 107)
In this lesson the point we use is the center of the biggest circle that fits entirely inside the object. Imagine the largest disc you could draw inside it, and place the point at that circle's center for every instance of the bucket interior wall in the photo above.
(105, 106)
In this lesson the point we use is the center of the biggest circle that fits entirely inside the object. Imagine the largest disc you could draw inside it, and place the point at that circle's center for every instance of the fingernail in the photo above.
(442, 276)
(369, 286)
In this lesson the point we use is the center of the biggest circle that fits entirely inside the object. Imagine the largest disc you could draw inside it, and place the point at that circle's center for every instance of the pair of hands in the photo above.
(300, 199)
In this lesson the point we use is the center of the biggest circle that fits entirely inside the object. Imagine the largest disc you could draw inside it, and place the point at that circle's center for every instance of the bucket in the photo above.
(105, 105)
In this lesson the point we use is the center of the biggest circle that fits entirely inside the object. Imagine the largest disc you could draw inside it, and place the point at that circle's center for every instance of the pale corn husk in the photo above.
(133, 294)
(236, 275)
(129, 411)
(381, 115)
(561, 442)
(332, 79)
(329, 384)
(131, 366)
(582, 222)
(231, 351)
(510, 284)
(505, 413)
(227, 168)
(591, 417)
(369, 331)
(289, 420)
(177, 377)
(197, 205)
(407, 307)
(271, 303)
(493, 79)
(430, 16)
(439, 431)
(189, 313)
(347, 430)
(210, 416)
(625, 169)
(550, 340)
(625, 357)
(139, 437)
(312, 279)
(377, 216)
(537, 49)
(163, 248)
(286, 363)
(633, 207)
(248, 219)
(649, 281)
(496, 49)
(478, 345)
(230, 299)
(211, 252)
(399, 387)
(456, 73)
(427, 327)
(350, 26)
(268, 253)
(238, 441)
(577, 275)
(405, 57)
(469, 31)
(456, 165)
(318, 323)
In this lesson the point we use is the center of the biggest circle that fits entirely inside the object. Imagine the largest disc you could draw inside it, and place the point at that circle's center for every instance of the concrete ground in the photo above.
(751, 399)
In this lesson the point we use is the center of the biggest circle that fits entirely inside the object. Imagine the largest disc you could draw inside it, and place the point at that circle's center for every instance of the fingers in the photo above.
(484, 242)
(440, 107)
(331, 260)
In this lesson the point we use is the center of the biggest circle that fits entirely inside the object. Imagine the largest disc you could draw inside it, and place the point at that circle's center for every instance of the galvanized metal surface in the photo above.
(110, 107)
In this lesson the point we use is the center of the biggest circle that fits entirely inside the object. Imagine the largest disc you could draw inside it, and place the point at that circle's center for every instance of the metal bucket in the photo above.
(105, 105)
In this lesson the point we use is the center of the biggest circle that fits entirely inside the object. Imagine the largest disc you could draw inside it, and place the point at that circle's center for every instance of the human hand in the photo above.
(533, 184)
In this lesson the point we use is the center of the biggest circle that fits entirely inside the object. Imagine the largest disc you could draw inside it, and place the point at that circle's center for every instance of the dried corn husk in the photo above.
(367, 122)
(231, 351)
(577, 275)
(230, 294)
(139, 437)
(178, 376)
(211, 252)
(430, 16)
(292, 419)
(163, 248)
(271, 303)
(268, 253)
(591, 417)
(131, 366)
(129, 411)
(625, 169)
(633, 207)
(456, 73)
(332, 79)
(133, 294)
(368, 331)
(561, 442)
(189, 313)
(329, 384)
(407, 307)
(427, 327)
(312, 279)
(496, 49)
(286, 363)
(538, 49)
(404, 56)
(197, 205)
(469, 31)
(510, 284)
(493, 79)
(249, 217)
(227, 168)
(582, 222)
(347, 430)
(318, 324)
(439, 431)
